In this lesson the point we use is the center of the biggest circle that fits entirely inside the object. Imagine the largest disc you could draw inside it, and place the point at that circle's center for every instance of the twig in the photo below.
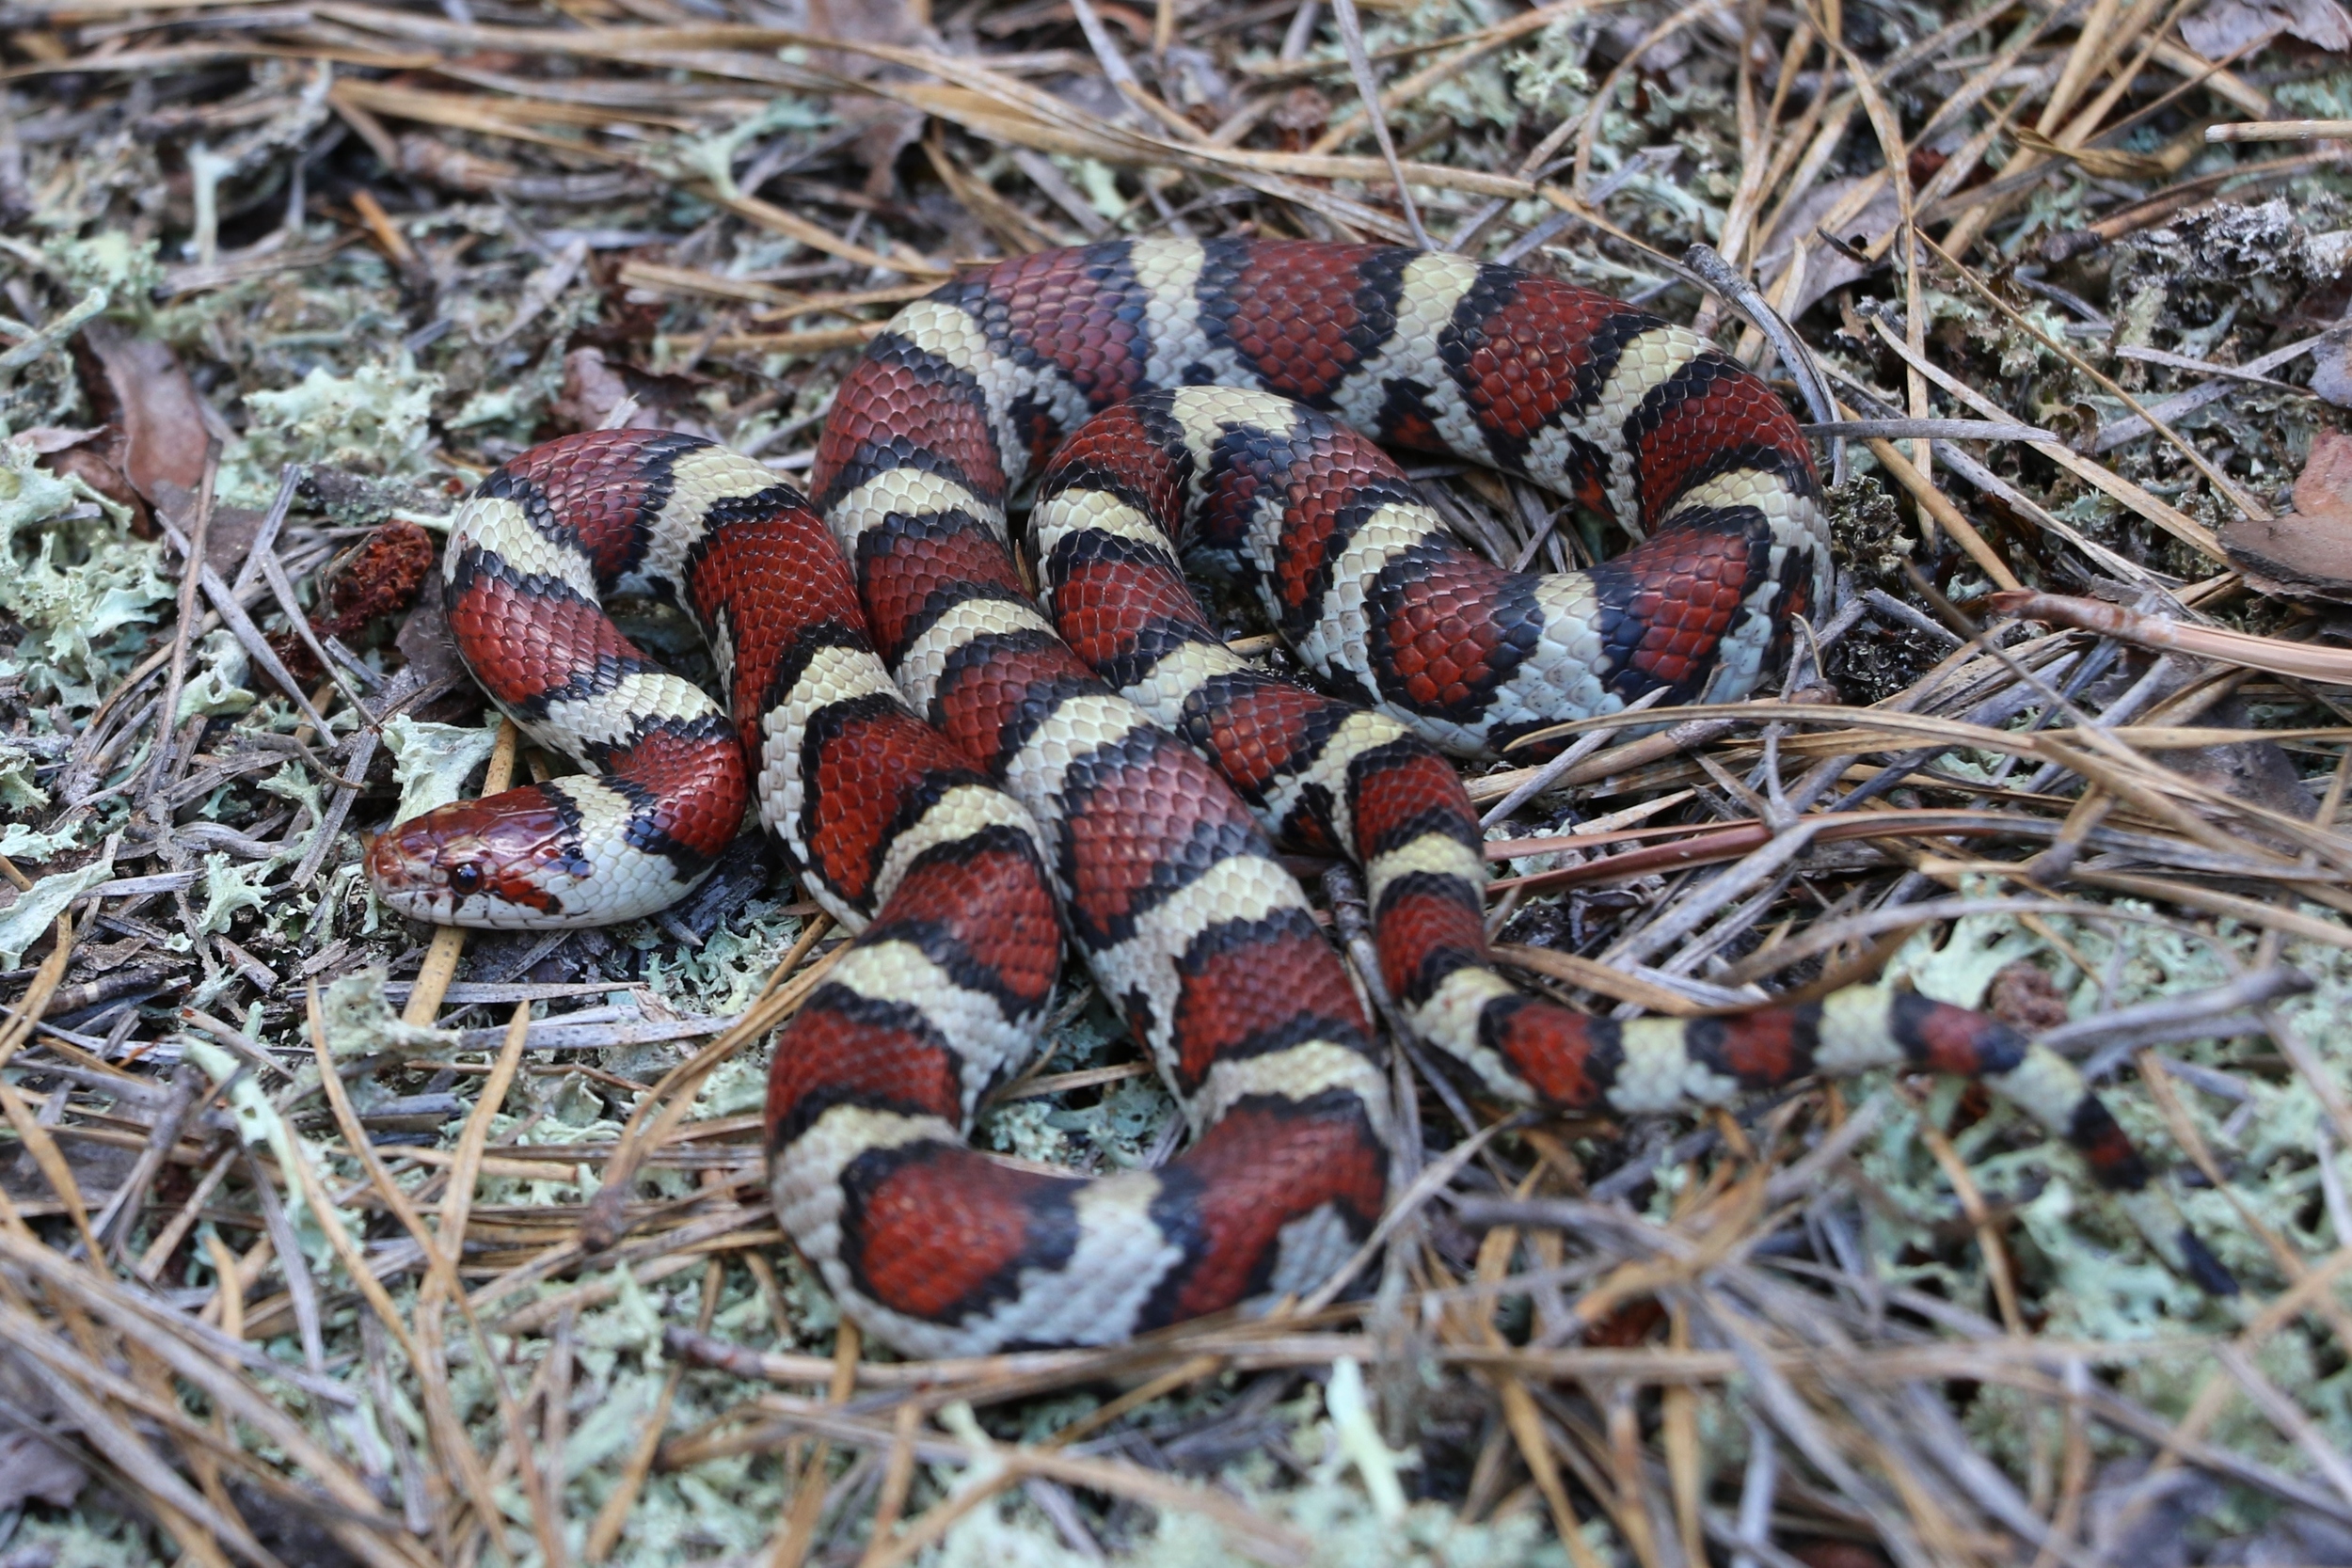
(2180, 405)
(448, 943)
(2127, 1029)
(1909, 428)
(2207, 367)
(2281, 130)
(1548, 774)
(231, 609)
(1733, 284)
(2306, 662)
(1368, 88)
(165, 763)
(1946, 516)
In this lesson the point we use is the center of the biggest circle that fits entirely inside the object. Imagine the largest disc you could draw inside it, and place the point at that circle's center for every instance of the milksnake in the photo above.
(963, 780)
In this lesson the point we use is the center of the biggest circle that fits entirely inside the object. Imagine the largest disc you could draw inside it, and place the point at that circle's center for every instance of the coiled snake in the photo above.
(965, 779)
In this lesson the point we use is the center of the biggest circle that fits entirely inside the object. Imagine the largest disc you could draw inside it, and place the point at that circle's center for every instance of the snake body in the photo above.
(949, 765)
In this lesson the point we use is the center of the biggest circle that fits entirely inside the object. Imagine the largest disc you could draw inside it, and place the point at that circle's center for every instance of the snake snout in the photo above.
(418, 869)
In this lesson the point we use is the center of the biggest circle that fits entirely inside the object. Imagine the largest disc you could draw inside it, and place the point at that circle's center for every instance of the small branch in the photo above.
(1938, 430)
(191, 580)
(1352, 34)
(2272, 655)
(2281, 129)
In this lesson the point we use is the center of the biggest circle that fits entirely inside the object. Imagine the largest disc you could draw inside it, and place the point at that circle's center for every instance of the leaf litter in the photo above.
(278, 283)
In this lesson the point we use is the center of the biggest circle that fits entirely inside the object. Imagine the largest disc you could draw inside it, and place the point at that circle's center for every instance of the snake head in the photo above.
(502, 864)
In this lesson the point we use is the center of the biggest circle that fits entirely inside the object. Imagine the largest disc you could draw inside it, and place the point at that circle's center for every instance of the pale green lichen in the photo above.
(229, 887)
(19, 789)
(1341, 1524)
(2088, 1271)
(377, 421)
(26, 846)
(297, 785)
(1550, 74)
(711, 159)
(734, 1088)
(34, 914)
(260, 1125)
(88, 1537)
(128, 269)
(359, 1021)
(216, 687)
(1957, 963)
(516, 405)
(1124, 1120)
(431, 762)
(726, 974)
(71, 575)
(1356, 1438)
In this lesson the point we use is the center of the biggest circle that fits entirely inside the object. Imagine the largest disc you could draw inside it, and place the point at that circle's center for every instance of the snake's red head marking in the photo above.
(499, 863)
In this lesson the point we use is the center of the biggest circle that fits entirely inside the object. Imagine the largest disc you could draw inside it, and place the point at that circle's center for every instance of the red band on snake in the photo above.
(947, 787)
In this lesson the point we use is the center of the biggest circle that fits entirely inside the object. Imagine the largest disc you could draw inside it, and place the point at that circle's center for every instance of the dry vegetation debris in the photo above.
(324, 1240)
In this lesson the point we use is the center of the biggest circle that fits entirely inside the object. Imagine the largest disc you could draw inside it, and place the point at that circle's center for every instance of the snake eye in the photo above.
(465, 880)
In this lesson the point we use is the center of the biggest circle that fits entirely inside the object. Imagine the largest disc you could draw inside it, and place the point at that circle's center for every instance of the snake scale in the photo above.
(969, 774)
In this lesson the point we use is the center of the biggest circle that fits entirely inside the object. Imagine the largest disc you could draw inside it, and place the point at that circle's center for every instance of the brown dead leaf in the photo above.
(2259, 773)
(1300, 117)
(82, 455)
(2325, 485)
(37, 1462)
(88, 463)
(426, 641)
(593, 390)
(49, 439)
(2331, 371)
(38, 1469)
(227, 541)
(2306, 553)
(156, 414)
(2223, 27)
(600, 395)
(1826, 267)
(890, 130)
(853, 21)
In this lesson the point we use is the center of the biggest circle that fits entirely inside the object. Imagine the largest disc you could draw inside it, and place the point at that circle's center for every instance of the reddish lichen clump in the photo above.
(381, 577)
